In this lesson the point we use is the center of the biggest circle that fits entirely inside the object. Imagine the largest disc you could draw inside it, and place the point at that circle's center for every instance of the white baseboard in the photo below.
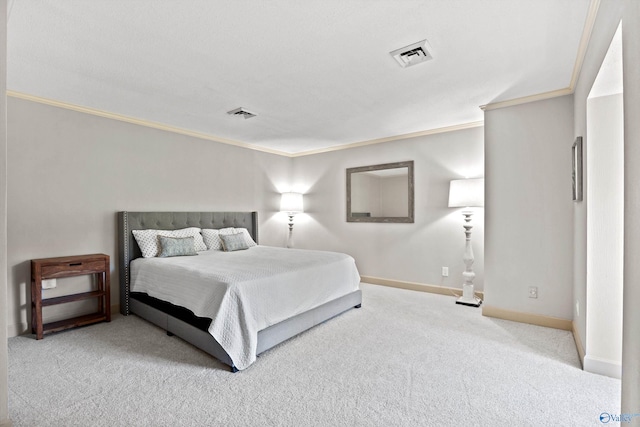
(604, 367)
(414, 286)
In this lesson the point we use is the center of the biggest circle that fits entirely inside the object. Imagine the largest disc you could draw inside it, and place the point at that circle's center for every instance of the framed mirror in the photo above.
(380, 193)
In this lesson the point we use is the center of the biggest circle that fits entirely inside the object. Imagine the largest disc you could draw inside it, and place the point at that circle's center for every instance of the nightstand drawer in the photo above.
(72, 268)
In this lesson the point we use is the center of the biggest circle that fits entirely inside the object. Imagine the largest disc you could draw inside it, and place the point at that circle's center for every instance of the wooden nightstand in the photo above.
(54, 268)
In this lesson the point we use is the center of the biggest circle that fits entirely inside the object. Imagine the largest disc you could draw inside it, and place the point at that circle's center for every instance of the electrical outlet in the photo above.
(445, 271)
(49, 283)
(533, 292)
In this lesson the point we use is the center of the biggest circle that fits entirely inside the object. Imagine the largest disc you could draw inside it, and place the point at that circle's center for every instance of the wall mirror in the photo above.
(380, 193)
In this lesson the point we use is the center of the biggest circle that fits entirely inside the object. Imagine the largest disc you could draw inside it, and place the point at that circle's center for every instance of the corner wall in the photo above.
(398, 252)
(529, 208)
(606, 23)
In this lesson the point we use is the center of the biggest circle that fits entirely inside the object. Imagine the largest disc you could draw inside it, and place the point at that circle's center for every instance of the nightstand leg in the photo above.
(107, 294)
(36, 313)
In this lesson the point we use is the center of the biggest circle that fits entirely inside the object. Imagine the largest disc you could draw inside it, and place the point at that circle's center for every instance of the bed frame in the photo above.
(181, 322)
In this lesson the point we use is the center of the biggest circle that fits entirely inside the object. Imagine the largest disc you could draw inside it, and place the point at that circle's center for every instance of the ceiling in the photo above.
(317, 73)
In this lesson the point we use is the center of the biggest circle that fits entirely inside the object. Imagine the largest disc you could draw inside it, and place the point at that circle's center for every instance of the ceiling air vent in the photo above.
(241, 112)
(412, 54)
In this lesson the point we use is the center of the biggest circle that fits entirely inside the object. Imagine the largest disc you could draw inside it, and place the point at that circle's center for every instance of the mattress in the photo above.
(246, 291)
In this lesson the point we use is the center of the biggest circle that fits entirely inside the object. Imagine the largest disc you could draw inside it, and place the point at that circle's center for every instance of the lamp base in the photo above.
(471, 302)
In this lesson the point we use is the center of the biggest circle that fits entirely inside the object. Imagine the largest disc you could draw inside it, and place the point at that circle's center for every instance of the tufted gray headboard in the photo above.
(128, 221)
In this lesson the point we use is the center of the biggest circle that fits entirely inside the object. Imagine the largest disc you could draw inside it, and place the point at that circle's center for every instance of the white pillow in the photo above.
(213, 241)
(148, 239)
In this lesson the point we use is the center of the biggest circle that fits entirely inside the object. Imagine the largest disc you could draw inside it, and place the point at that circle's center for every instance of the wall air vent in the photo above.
(241, 112)
(412, 54)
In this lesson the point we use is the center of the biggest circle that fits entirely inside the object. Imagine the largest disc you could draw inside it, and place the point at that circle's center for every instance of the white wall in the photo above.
(403, 252)
(605, 235)
(606, 23)
(529, 208)
(69, 173)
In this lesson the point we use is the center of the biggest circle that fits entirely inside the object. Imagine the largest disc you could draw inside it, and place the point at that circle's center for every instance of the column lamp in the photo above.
(467, 193)
(291, 204)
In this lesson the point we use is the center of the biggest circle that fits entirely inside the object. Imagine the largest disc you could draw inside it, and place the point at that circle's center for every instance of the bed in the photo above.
(335, 293)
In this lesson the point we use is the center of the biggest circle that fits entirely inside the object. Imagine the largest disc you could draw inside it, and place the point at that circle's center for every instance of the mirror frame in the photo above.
(401, 219)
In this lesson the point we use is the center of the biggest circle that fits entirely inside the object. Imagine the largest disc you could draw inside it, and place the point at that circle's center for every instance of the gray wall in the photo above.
(4, 410)
(403, 252)
(69, 174)
(529, 208)
(631, 319)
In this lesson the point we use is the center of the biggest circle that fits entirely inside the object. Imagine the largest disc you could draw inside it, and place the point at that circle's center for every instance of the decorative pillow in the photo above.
(247, 236)
(211, 238)
(233, 242)
(176, 246)
(148, 239)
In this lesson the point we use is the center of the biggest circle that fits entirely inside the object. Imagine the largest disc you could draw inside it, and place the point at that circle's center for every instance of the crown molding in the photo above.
(392, 138)
(584, 42)
(527, 99)
(141, 122)
(169, 128)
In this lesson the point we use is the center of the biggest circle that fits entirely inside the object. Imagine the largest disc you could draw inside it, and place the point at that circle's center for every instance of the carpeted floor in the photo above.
(404, 359)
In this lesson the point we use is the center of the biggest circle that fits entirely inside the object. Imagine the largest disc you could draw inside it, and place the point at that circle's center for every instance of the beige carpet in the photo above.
(404, 359)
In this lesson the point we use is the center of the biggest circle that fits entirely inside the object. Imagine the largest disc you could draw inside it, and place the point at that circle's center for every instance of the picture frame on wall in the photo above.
(577, 169)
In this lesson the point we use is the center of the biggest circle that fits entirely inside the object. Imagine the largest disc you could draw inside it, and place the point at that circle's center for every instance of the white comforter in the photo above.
(246, 291)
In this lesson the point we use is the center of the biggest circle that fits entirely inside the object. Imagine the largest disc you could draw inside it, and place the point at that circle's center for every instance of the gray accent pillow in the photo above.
(176, 246)
(233, 242)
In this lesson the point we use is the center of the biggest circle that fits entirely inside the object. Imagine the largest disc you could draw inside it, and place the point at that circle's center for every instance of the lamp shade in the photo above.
(291, 203)
(465, 193)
